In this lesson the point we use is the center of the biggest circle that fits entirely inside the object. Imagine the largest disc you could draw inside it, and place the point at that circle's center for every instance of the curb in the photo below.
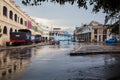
(95, 49)
(23, 46)
(94, 53)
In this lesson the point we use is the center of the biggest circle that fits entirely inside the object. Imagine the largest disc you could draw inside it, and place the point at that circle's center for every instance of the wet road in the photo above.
(55, 63)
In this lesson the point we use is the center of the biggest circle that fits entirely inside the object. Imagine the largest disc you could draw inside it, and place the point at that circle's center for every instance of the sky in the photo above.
(65, 16)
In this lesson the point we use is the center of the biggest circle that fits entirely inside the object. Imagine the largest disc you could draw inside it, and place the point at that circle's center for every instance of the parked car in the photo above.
(112, 40)
(53, 42)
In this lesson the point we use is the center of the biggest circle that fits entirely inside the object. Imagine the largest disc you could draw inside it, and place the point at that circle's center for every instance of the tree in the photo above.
(110, 7)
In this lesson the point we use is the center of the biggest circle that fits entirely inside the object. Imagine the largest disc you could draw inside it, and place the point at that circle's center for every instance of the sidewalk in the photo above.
(23, 46)
(95, 49)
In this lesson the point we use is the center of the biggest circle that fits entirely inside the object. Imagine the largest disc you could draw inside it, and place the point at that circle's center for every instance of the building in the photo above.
(93, 32)
(99, 32)
(83, 33)
(115, 30)
(12, 18)
(59, 34)
(45, 30)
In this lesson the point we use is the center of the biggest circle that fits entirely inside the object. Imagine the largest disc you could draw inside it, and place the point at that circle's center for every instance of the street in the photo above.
(53, 62)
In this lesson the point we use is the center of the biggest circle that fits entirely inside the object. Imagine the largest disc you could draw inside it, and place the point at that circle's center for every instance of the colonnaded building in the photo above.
(12, 18)
(92, 32)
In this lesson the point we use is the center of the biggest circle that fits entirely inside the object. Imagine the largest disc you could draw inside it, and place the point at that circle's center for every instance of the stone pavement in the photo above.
(95, 49)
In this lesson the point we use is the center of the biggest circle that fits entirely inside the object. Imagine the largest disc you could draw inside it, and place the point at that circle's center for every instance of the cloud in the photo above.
(53, 23)
(43, 21)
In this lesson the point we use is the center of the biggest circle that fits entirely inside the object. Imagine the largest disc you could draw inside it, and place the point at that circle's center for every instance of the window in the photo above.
(52, 34)
(15, 18)
(104, 37)
(25, 23)
(104, 31)
(55, 33)
(5, 30)
(21, 21)
(4, 10)
(15, 30)
(95, 31)
(11, 15)
(18, 19)
(96, 37)
(11, 30)
(99, 37)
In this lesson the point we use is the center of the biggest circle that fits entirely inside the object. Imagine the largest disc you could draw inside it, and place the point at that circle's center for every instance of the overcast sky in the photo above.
(67, 16)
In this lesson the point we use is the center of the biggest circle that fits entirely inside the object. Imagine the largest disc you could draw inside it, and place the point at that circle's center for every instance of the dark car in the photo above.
(112, 40)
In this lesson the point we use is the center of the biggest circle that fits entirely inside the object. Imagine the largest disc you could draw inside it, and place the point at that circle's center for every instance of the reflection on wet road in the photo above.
(13, 62)
(54, 63)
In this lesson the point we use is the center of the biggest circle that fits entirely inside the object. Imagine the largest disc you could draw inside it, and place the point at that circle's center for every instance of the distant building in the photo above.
(93, 32)
(45, 30)
(59, 34)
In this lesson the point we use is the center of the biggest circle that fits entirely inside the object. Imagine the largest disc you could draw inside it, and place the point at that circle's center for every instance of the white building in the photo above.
(45, 30)
(12, 18)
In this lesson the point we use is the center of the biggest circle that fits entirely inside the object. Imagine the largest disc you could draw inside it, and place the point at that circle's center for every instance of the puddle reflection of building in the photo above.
(13, 63)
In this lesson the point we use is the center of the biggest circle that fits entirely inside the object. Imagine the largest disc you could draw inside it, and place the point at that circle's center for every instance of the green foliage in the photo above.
(108, 6)
(115, 28)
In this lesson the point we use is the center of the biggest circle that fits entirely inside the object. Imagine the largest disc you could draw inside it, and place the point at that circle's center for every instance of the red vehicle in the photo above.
(53, 42)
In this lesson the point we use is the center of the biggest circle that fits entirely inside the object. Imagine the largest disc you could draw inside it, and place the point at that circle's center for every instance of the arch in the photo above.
(11, 15)
(5, 30)
(21, 21)
(15, 30)
(4, 10)
(15, 17)
(11, 30)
